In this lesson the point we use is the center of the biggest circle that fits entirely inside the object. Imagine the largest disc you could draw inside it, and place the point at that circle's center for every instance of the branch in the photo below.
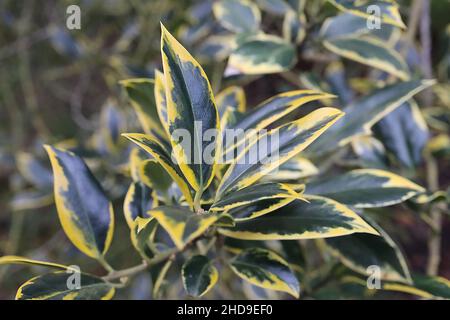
(141, 267)
(434, 241)
(413, 23)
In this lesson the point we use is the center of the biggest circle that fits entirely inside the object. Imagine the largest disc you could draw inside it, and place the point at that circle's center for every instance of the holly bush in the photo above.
(293, 166)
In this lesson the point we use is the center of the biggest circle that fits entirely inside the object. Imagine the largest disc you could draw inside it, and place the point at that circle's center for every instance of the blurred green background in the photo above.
(55, 85)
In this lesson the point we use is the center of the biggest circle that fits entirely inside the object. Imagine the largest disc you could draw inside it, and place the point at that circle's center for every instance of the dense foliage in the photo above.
(360, 114)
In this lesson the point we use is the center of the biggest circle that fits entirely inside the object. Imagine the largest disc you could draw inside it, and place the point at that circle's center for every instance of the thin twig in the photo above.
(434, 241)
(76, 103)
(425, 37)
(24, 43)
(127, 272)
(26, 79)
(413, 22)
(15, 234)
(141, 267)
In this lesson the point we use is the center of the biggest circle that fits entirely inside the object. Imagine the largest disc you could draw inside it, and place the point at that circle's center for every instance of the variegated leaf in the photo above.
(141, 94)
(160, 99)
(259, 208)
(155, 176)
(162, 155)
(233, 97)
(359, 251)
(199, 275)
(236, 246)
(370, 52)
(225, 220)
(318, 218)
(254, 194)
(22, 260)
(276, 107)
(366, 188)
(181, 224)
(138, 201)
(404, 133)
(292, 138)
(54, 286)
(135, 160)
(347, 24)
(431, 197)
(292, 170)
(427, 287)
(84, 211)
(142, 231)
(362, 114)
(237, 15)
(370, 150)
(229, 118)
(438, 287)
(389, 12)
(268, 112)
(294, 27)
(266, 269)
(217, 47)
(262, 54)
(191, 109)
